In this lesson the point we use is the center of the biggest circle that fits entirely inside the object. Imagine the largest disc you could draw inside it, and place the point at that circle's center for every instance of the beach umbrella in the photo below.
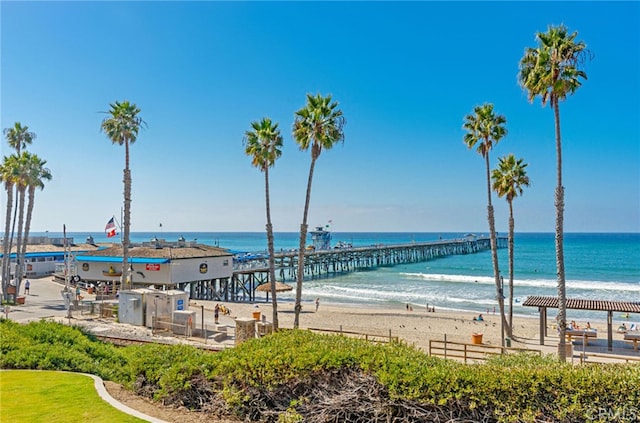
(280, 287)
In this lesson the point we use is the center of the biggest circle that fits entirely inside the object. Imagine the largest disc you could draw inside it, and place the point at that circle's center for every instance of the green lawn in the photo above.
(54, 397)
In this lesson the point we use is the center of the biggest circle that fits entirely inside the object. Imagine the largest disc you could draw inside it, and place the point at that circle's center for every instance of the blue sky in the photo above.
(405, 75)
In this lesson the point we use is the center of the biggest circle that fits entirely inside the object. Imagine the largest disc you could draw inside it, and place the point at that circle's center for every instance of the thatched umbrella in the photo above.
(280, 287)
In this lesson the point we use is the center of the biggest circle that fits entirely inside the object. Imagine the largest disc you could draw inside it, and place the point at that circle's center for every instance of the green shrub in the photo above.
(53, 346)
(290, 364)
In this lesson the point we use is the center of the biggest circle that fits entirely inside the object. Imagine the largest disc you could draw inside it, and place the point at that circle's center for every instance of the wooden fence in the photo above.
(360, 335)
(472, 352)
(597, 358)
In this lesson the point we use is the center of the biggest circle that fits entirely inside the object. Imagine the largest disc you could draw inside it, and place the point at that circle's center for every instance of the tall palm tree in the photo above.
(36, 173)
(552, 71)
(263, 143)
(319, 125)
(485, 129)
(18, 137)
(8, 175)
(508, 180)
(122, 127)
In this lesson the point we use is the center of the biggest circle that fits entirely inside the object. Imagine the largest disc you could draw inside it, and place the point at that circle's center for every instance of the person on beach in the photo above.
(27, 285)
(479, 318)
(317, 304)
(216, 313)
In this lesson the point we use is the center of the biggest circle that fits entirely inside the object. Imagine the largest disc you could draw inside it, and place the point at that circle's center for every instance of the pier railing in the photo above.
(324, 263)
(344, 260)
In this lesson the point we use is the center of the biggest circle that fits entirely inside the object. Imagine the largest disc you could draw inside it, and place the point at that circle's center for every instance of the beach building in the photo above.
(183, 265)
(45, 253)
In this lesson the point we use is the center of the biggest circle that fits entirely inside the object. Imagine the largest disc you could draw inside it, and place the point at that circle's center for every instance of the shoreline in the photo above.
(398, 307)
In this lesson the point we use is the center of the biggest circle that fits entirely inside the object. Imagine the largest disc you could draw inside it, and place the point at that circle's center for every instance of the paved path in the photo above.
(44, 301)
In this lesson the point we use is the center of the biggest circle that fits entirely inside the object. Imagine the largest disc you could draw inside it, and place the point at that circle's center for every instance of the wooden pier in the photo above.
(326, 263)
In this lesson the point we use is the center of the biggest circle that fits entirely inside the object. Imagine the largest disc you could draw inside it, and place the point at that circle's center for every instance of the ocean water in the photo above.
(598, 266)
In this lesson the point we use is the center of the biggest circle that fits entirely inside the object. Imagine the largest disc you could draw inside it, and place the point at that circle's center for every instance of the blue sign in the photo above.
(180, 304)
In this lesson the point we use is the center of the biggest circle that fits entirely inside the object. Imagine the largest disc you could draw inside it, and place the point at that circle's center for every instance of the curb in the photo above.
(102, 392)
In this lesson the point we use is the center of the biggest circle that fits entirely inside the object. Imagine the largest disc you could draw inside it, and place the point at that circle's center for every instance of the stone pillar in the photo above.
(245, 329)
(264, 328)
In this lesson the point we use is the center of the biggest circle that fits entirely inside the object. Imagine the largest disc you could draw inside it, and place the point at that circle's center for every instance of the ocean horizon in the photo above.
(604, 266)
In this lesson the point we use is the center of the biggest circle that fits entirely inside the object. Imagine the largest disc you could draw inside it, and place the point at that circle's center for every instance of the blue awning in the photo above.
(47, 254)
(138, 260)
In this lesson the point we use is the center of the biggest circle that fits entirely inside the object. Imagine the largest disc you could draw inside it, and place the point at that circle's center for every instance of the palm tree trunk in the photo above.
(20, 240)
(126, 277)
(511, 254)
(301, 251)
(559, 203)
(494, 250)
(27, 224)
(13, 229)
(272, 266)
(126, 224)
(6, 256)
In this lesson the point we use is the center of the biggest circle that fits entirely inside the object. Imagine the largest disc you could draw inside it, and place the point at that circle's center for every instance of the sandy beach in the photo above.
(415, 327)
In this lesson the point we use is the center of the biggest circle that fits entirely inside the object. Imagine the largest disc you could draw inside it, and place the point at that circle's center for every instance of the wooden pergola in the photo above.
(543, 303)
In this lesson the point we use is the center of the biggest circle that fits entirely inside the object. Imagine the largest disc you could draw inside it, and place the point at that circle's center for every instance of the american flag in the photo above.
(110, 229)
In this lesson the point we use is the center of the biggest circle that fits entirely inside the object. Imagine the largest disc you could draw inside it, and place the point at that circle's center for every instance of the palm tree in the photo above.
(35, 174)
(122, 127)
(319, 125)
(486, 129)
(508, 179)
(263, 144)
(552, 71)
(18, 137)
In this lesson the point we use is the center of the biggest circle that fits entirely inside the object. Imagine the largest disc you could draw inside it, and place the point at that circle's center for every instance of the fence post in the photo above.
(204, 333)
(445, 345)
